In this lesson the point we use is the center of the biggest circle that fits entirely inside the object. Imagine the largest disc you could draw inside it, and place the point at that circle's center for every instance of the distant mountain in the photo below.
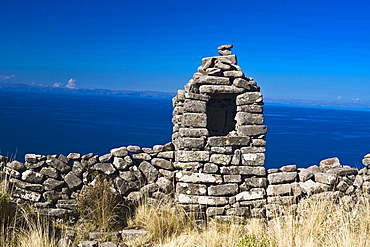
(35, 88)
(359, 104)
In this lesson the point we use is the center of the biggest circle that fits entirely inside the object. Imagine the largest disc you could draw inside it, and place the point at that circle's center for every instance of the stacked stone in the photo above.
(51, 181)
(288, 185)
(219, 140)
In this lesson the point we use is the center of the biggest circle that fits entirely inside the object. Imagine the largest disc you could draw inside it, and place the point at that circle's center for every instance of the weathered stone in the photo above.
(27, 186)
(220, 159)
(249, 98)
(330, 163)
(249, 108)
(248, 150)
(342, 186)
(203, 200)
(210, 168)
(225, 52)
(283, 200)
(232, 178)
(188, 165)
(233, 74)
(358, 181)
(35, 165)
(26, 194)
(78, 168)
(195, 106)
(191, 189)
(282, 177)
(288, 168)
(326, 178)
(87, 156)
(310, 187)
(106, 168)
(253, 159)
(222, 150)
(189, 177)
(212, 211)
(211, 89)
(12, 173)
(245, 118)
(223, 190)
(343, 171)
(134, 149)
(67, 204)
(149, 189)
(72, 180)
(258, 142)
(59, 165)
(279, 190)
(32, 177)
(52, 195)
(189, 142)
(166, 155)
(186, 156)
(119, 152)
(239, 211)
(215, 80)
(196, 120)
(158, 148)
(243, 170)
(162, 163)
(149, 171)
(252, 130)
(107, 244)
(193, 132)
(16, 165)
(304, 175)
(253, 194)
(122, 163)
(106, 158)
(256, 182)
(88, 244)
(165, 185)
(74, 156)
(220, 141)
(124, 187)
(236, 159)
(52, 184)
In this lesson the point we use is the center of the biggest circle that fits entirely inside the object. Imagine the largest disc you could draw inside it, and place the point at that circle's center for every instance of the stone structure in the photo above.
(219, 138)
(213, 167)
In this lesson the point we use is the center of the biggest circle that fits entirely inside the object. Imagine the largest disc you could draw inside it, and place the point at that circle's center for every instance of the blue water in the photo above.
(49, 123)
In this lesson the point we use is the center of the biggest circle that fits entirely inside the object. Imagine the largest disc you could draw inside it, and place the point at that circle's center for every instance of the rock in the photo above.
(134, 149)
(191, 189)
(203, 200)
(232, 178)
(220, 159)
(88, 244)
(256, 182)
(52, 184)
(330, 163)
(34, 165)
(305, 175)
(189, 177)
(16, 165)
(185, 156)
(165, 185)
(124, 187)
(310, 187)
(26, 186)
(122, 163)
(142, 156)
(106, 158)
(107, 244)
(32, 177)
(288, 168)
(210, 168)
(193, 132)
(52, 195)
(224, 89)
(74, 156)
(326, 178)
(219, 141)
(72, 180)
(166, 155)
(26, 194)
(253, 194)
(12, 173)
(119, 152)
(149, 171)
(106, 168)
(196, 120)
(149, 189)
(253, 159)
(279, 190)
(223, 190)
(282, 177)
(248, 98)
(59, 165)
(49, 172)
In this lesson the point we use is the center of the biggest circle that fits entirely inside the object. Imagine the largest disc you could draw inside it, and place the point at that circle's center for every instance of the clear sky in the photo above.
(295, 49)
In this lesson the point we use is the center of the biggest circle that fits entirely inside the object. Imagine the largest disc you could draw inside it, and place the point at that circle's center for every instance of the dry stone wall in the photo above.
(214, 166)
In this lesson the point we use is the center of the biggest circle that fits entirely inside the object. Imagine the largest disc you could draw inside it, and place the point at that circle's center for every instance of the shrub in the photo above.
(255, 241)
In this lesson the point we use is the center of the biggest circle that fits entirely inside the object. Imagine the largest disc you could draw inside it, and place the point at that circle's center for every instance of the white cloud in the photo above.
(6, 77)
(57, 84)
(71, 84)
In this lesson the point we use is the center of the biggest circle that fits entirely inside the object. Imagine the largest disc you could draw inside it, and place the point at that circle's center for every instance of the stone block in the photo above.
(249, 108)
(106, 158)
(195, 106)
(238, 211)
(222, 150)
(189, 142)
(141, 156)
(253, 159)
(310, 187)
(330, 163)
(248, 150)
(35, 165)
(52, 195)
(233, 73)
(249, 98)
(305, 175)
(72, 180)
(162, 163)
(196, 96)
(122, 163)
(124, 187)
(188, 165)
(27, 186)
(279, 190)
(232, 178)
(282, 177)
(213, 211)
(214, 89)
(134, 149)
(220, 141)
(16, 165)
(119, 152)
(214, 80)
(26, 194)
(326, 178)
(191, 189)
(106, 168)
(223, 190)
(32, 177)
(252, 130)
(165, 185)
(256, 182)
(258, 142)
(186, 156)
(243, 170)
(288, 168)
(282, 200)
(343, 171)
(12, 173)
(59, 165)
(52, 184)
(74, 156)
(190, 177)
(203, 200)
(193, 132)
(196, 120)
(245, 118)
(149, 171)
(220, 159)
(236, 159)
(166, 155)
(210, 168)
(253, 194)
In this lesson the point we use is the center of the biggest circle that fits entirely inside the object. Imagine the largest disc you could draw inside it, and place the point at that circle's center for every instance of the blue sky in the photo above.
(317, 49)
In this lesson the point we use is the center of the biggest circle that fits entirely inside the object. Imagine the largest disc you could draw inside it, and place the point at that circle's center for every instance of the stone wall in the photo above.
(214, 166)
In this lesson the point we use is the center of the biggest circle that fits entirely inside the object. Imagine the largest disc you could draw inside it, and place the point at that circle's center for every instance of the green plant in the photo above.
(253, 240)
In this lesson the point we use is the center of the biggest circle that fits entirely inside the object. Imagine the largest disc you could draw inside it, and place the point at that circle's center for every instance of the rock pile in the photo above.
(51, 181)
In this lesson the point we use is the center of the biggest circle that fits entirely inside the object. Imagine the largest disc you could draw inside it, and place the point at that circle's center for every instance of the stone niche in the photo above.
(219, 139)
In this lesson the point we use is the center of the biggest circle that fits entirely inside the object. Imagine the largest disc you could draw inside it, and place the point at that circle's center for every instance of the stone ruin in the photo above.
(214, 166)
(219, 138)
